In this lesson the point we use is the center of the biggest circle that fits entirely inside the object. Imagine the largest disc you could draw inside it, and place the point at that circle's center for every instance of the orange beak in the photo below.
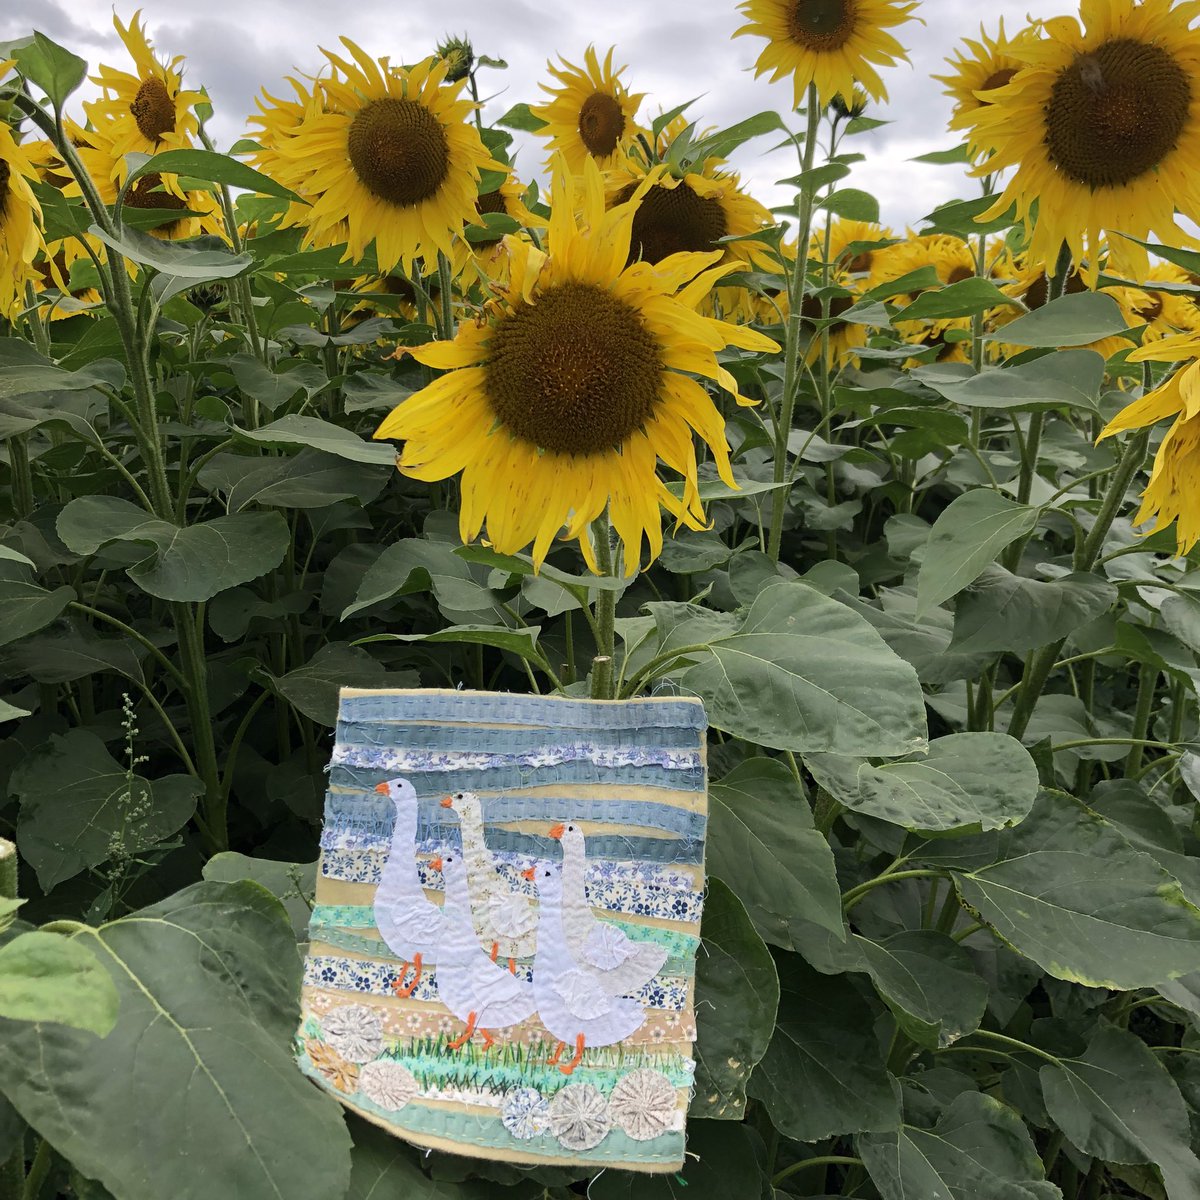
(448, 802)
(435, 864)
(557, 831)
(528, 874)
(381, 788)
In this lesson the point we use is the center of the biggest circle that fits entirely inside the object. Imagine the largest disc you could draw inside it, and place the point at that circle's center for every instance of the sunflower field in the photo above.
(912, 511)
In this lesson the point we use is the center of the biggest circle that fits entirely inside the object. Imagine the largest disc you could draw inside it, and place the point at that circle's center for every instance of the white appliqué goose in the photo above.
(619, 964)
(505, 918)
(406, 919)
(571, 1004)
(474, 988)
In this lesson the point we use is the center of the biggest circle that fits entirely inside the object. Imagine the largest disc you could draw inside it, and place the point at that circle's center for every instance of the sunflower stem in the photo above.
(12, 1169)
(445, 284)
(606, 614)
(799, 282)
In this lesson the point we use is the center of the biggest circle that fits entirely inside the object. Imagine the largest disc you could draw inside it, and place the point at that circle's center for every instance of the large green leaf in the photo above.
(823, 1072)
(762, 843)
(48, 977)
(26, 607)
(213, 168)
(979, 1150)
(192, 563)
(383, 1166)
(1068, 891)
(737, 996)
(967, 780)
(968, 534)
(1118, 1102)
(1072, 320)
(77, 803)
(805, 673)
(310, 479)
(417, 565)
(1003, 611)
(961, 299)
(194, 1093)
(292, 430)
(1071, 378)
(173, 258)
(313, 688)
(293, 884)
(52, 67)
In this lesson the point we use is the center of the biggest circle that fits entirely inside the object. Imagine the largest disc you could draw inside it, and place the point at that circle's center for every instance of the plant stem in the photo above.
(22, 476)
(1147, 681)
(855, 894)
(799, 281)
(822, 1160)
(606, 615)
(39, 1169)
(1042, 662)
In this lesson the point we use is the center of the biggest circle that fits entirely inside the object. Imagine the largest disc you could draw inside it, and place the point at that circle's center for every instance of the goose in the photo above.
(470, 984)
(407, 921)
(620, 965)
(503, 917)
(572, 1006)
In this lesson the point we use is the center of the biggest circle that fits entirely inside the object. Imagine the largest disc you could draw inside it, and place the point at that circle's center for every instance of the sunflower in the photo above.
(149, 110)
(1102, 124)
(20, 223)
(480, 261)
(384, 154)
(592, 115)
(1165, 310)
(989, 64)
(830, 43)
(576, 380)
(1171, 493)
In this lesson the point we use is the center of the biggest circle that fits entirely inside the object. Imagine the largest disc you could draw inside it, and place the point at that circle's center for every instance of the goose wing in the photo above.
(582, 995)
(607, 947)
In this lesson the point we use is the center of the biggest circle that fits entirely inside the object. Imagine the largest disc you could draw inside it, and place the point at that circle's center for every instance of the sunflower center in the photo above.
(1116, 113)
(1038, 291)
(492, 202)
(398, 150)
(1152, 309)
(601, 123)
(153, 109)
(145, 194)
(821, 24)
(576, 373)
(669, 220)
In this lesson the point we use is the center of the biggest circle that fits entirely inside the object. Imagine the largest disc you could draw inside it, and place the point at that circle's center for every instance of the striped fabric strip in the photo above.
(505, 740)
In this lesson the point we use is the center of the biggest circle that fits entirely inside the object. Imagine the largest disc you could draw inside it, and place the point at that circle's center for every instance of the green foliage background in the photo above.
(951, 943)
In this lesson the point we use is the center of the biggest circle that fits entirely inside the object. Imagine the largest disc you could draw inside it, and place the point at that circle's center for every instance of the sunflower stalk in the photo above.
(606, 614)
(797, 287)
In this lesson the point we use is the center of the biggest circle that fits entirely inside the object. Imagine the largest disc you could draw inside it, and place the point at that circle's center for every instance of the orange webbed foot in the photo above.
(465, 1036)
(567, 1068)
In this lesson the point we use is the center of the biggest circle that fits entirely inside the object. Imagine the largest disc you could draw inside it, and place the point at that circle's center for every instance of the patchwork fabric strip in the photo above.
(502, 953)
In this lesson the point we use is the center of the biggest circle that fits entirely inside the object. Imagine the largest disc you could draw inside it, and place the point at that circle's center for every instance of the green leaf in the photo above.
(47, 977)
(521, 641)
(962, 299)
(980, 1149)
(1070, 378)
(960, 217)
(520, 117)
(929, 982)
(417, 565)
(10, 555)
(310, 479)
(33, 379)
(737, 995)
(294, 885)
(294, 430)
(10, 712)
(805, 673)
(763, 844)
(1188, 259)
(212, 168)
(1068, 891)
(1077, 319)
(723, 142)
(1118, 1102)
(50, 66)
(173, 258)
(313, 688)
(968, 534)
(194, 1093)
(193, 563)
(967, 781)
(1003, 611)
(76, 802)
(851, 204)
(28, 607)
(823, 1073)
(273, 388)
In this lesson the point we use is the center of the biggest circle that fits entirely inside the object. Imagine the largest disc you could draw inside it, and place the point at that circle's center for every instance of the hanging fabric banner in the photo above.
(503, 945)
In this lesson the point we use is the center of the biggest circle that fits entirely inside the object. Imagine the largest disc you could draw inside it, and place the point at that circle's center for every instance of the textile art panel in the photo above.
(503, 945)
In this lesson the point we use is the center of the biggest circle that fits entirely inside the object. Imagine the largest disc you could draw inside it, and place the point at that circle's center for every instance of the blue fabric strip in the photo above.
(490, 708)
(504, 740)
(498, 779)
(373, 813)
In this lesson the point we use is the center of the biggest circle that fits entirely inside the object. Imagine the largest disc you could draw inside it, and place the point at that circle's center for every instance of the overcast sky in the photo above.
(674, 51)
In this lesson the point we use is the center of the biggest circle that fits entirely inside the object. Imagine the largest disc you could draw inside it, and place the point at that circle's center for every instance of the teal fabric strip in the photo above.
(489, 1132)
(507, 740)
(490, 708)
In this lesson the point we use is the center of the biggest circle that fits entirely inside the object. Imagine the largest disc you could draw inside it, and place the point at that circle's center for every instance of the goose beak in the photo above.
(556, 831)
(435, 864)
(382, 788)
(528, 874)
(448, 802)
